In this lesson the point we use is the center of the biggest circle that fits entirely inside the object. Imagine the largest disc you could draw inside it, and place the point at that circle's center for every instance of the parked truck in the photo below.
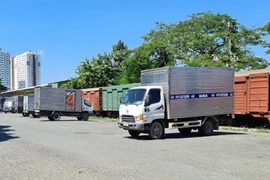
(57, 102)
(185, 98)
(10, 105)
(28, 106)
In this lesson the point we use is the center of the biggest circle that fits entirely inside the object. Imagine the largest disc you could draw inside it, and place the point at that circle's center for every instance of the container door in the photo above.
(240, 99)
(258, 93)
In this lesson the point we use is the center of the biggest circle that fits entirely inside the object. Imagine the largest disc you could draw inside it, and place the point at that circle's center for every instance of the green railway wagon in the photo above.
(111, 98)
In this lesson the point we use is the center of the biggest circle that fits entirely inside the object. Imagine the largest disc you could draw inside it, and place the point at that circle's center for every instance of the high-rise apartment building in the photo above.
(25, 70)
(5, 68)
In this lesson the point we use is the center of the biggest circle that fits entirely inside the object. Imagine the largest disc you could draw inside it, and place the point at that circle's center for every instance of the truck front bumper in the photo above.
(134, 126)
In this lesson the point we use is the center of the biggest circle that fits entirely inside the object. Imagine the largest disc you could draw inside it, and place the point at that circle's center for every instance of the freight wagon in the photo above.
(95, 96)
(106, 100)
(252, 93)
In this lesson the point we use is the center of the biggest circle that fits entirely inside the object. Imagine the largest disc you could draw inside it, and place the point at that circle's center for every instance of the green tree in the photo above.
(103, 70)
(208, 39)
(151, 54)
(2, 87)
(266, 32)
(120, 52)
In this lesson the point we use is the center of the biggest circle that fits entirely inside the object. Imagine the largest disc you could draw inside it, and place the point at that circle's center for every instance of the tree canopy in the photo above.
(103, 70)
(2, 87)
(204, 39)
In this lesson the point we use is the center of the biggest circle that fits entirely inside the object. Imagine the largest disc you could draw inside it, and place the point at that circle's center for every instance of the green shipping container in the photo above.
(111, 96)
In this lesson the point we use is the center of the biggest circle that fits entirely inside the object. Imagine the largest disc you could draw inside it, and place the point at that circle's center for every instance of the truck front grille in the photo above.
(127, 118)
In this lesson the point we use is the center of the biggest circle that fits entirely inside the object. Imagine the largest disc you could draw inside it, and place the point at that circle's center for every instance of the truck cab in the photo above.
(140, 107)
(9, 106)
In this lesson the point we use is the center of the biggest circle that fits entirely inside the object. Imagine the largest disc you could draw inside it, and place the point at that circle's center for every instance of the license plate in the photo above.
(125, 124)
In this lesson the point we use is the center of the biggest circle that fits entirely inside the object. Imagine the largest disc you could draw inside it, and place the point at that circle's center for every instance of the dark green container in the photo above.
(111, 96)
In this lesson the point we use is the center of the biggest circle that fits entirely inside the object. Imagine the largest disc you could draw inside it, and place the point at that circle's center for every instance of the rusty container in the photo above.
(252, 93)
(95, 96)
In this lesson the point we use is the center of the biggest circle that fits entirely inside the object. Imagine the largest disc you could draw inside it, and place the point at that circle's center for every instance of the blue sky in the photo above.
(66, 32)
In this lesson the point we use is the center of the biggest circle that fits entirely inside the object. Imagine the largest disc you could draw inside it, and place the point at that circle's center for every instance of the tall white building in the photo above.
(5, 68)
(25, 70)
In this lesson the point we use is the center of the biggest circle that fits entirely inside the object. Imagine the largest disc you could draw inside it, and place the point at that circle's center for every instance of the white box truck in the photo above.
(185, 98)
(57, 102)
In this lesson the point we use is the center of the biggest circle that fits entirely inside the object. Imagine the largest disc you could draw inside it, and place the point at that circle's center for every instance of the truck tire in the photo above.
(56, 116)
(207, 128)
(25, 114)
(79, 118)
(133, 133)
(156, 130)
(50, 117)
(184, 131)
(36, 115)
(85, 116)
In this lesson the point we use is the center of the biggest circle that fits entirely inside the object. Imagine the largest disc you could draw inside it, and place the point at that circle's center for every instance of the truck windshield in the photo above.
(134, 96)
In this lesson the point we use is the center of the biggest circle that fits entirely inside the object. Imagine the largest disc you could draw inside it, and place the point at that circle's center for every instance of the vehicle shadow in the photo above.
(191, 135)
(44, 120)
(66, 120)
(5, 133)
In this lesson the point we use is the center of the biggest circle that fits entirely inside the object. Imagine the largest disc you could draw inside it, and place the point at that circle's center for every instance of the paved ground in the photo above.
(70, 149)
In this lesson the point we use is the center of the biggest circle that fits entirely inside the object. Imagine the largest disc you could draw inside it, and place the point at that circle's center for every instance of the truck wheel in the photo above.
(50, 117)
(85, 116)
(156, 130)
(185, 131)
(133, 133)
(79, 118)
(24, 114)
(56, 116)
(207, 128)
(35, 116)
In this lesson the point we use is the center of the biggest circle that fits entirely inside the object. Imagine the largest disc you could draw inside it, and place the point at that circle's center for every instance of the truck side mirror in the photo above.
(146, 101)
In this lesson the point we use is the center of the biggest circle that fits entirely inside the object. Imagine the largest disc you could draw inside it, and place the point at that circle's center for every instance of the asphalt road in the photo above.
(70, 149)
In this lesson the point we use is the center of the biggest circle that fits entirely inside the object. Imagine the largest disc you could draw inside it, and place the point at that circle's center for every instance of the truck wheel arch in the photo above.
(56, 116)
(157, 123)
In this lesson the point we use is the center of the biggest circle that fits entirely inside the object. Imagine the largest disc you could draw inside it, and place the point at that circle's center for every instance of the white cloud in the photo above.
(41, 52)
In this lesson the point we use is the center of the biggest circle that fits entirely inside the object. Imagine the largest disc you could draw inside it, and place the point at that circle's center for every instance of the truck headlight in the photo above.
(140, 118)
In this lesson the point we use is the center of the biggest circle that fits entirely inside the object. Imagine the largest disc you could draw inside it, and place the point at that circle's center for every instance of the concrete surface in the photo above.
(70, 149)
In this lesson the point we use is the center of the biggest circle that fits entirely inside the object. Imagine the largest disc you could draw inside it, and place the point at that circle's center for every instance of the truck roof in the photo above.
(145, 87)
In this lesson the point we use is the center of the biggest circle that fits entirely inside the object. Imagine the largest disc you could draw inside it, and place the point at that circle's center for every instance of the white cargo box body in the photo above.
(58, 99)
(194, 91)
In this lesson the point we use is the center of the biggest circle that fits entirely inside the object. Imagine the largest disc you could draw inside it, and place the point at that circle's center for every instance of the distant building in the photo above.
(25, 70)
(5, 68)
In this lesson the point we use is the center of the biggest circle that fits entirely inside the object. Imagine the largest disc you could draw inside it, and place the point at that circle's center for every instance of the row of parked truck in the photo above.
(50, 102)
(185, 98)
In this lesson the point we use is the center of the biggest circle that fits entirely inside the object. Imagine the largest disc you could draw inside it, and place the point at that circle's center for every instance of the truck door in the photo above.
(154, 109)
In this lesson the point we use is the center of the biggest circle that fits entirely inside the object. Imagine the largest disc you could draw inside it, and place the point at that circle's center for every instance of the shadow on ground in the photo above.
(6, 133)
(66, 120)
(191, 135)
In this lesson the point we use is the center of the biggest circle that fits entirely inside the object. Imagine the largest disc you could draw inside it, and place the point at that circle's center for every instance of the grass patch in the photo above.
(262, 130)
(103, 119)
(246, 129)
